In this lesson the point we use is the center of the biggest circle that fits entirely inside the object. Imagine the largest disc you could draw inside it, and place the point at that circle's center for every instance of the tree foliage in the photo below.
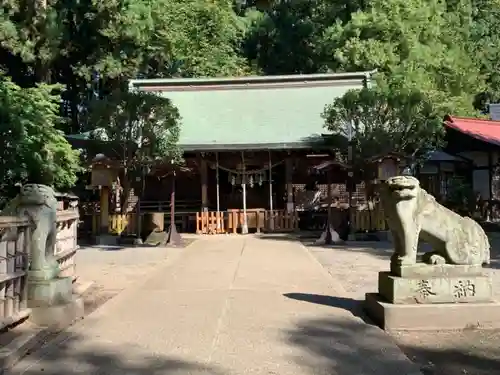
(427, 67)
(286, 37)
(414, 44)
(443, 54)
(483, 47)
(445, 48)
(142, 128)
(402, 121)
(145, 126)
(31, 148)
(93, 46)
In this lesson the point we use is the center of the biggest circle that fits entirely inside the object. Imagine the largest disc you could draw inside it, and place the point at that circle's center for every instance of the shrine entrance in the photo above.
(249, 193)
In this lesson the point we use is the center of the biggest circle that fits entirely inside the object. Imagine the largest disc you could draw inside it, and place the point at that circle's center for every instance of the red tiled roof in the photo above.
(484, 130)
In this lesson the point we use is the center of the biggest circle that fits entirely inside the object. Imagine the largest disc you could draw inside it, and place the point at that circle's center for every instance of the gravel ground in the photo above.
(115, 268)
(467, 352)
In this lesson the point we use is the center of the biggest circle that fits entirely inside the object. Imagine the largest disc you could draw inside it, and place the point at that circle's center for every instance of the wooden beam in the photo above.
(289, 184)
(204, 185)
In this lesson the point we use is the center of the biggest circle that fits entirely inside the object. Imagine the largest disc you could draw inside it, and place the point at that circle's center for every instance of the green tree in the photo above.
(416, 45)
(30, 36)
(93, 46)
(401, 121)
(141, 130)
(483, 47)
(286, 37)
(426, 69)
(31, 148)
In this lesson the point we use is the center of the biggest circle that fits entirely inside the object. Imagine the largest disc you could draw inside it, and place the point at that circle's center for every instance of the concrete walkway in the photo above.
(225, 306)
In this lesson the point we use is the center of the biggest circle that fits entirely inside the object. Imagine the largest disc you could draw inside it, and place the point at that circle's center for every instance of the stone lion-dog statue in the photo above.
(414, 214)
(39, 204)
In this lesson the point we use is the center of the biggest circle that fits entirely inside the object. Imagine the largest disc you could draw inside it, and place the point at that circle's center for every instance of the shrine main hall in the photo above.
(250, 144)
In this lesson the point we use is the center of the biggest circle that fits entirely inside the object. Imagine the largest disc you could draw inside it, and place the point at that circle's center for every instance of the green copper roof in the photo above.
(252, 112)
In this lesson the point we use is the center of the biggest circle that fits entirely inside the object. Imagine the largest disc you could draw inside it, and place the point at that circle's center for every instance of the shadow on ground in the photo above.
(337, 346)
(343, 346)
(494, 263)
(72, 354)
(451, 361)
(300, 236)
(349, 304)
(103, 247)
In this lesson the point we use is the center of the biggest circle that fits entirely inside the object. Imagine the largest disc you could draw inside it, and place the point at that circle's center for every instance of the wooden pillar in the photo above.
(218, 191)
(174, 238)
(329, 194)
(490, 174)
(204, 187)
(104, 205)
(289, 185)
(329, 235)
(440, 180)
(271, 214)
(244, 228)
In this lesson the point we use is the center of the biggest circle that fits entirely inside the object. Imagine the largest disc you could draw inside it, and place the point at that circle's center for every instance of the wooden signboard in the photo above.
(103, 176)
(387, 168)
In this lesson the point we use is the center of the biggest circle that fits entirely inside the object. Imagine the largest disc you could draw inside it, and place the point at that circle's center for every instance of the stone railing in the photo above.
(15, 258)
(14, 254)
(66, 241)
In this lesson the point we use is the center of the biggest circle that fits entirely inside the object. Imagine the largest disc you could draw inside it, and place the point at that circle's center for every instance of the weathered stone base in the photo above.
(445, 316)
(329, 236)
(106, 240)
(444, 289)
(50, 292)
(423, 270)
(58, 316)
(384, 235)
(157, 238)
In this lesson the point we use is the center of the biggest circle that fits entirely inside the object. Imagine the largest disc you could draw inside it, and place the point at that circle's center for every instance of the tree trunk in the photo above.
(125, 194)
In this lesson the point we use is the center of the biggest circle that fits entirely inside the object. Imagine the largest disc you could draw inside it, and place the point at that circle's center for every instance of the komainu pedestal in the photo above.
(448, 288)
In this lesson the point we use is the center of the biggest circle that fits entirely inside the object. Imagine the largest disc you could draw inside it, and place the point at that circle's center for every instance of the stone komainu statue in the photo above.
(412, 213)
(39, 204)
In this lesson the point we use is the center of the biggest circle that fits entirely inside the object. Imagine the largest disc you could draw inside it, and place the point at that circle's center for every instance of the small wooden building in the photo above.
(478, 142)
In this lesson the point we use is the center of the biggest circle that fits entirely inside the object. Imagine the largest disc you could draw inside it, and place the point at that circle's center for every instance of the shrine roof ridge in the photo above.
(305, 80)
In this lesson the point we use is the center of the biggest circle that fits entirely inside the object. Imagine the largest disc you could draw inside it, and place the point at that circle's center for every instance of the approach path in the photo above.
(225, 305)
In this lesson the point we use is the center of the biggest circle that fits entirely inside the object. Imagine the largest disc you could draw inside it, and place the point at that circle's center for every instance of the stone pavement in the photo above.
(225, 305)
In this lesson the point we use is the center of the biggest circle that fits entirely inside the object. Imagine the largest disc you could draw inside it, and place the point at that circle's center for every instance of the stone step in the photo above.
(432, 317)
